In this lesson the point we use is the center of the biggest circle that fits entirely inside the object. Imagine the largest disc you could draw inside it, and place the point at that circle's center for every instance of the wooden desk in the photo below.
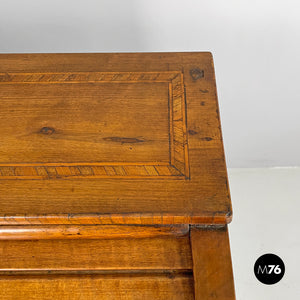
(113, 182)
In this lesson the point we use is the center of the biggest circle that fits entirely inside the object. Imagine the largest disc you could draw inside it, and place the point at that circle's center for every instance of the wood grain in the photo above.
(106, 162)
(167, 147)
(213, 277)
(127, 254)
(114, 218)
(102, 287)
(46, 232)
(105, 135)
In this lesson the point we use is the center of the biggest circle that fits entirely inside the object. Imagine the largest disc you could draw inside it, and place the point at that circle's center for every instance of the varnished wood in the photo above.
(113, 181)
(163, 286)
(112, 254)
(213, 278)
(101, 135)
(65, 166)
(109, 219)
(43, 232)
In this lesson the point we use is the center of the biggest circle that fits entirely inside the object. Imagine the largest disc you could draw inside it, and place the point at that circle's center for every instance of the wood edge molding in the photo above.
(207, 218)
(46, 232)
(171, 273)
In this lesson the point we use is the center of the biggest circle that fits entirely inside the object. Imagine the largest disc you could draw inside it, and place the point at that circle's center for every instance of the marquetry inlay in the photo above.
(177, 167)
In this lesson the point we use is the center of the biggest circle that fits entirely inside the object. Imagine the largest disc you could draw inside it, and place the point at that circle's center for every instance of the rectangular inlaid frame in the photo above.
(176, 168)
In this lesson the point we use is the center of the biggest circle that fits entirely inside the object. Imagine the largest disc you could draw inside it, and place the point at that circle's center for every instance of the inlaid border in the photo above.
(178, 166)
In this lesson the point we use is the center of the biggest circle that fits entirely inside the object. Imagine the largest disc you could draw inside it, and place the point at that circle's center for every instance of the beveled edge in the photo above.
(218, 217)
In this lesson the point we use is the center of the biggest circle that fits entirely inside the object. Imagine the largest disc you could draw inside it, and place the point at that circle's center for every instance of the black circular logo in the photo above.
(269, 268)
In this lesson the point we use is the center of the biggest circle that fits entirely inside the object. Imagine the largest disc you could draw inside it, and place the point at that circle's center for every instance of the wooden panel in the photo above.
(113, 287)
(110, 254)
(88, 125)
(39, 232)
(213, 277)
(66, 123)
(158, 114)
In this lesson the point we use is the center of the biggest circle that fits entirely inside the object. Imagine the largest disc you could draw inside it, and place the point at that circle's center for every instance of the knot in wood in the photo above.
(47, 130)
(196, 73)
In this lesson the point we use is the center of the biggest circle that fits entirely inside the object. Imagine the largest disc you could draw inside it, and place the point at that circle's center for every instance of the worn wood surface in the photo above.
(105, 161)
(111, 219)
(168, 253)
(177, 263)
(212, 269)
(112, 268)
(162, 286)
(42, 232)
(111, 138)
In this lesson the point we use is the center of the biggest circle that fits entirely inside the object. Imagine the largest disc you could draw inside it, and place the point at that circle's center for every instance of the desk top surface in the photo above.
(131, 138)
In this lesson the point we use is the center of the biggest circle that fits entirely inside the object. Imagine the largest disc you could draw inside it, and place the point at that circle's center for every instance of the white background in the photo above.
(266, 220)
(256, 47)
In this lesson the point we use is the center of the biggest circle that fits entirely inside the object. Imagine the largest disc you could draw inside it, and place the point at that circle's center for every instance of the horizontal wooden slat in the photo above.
(95, 287)
(111, 254)
(31, 232)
